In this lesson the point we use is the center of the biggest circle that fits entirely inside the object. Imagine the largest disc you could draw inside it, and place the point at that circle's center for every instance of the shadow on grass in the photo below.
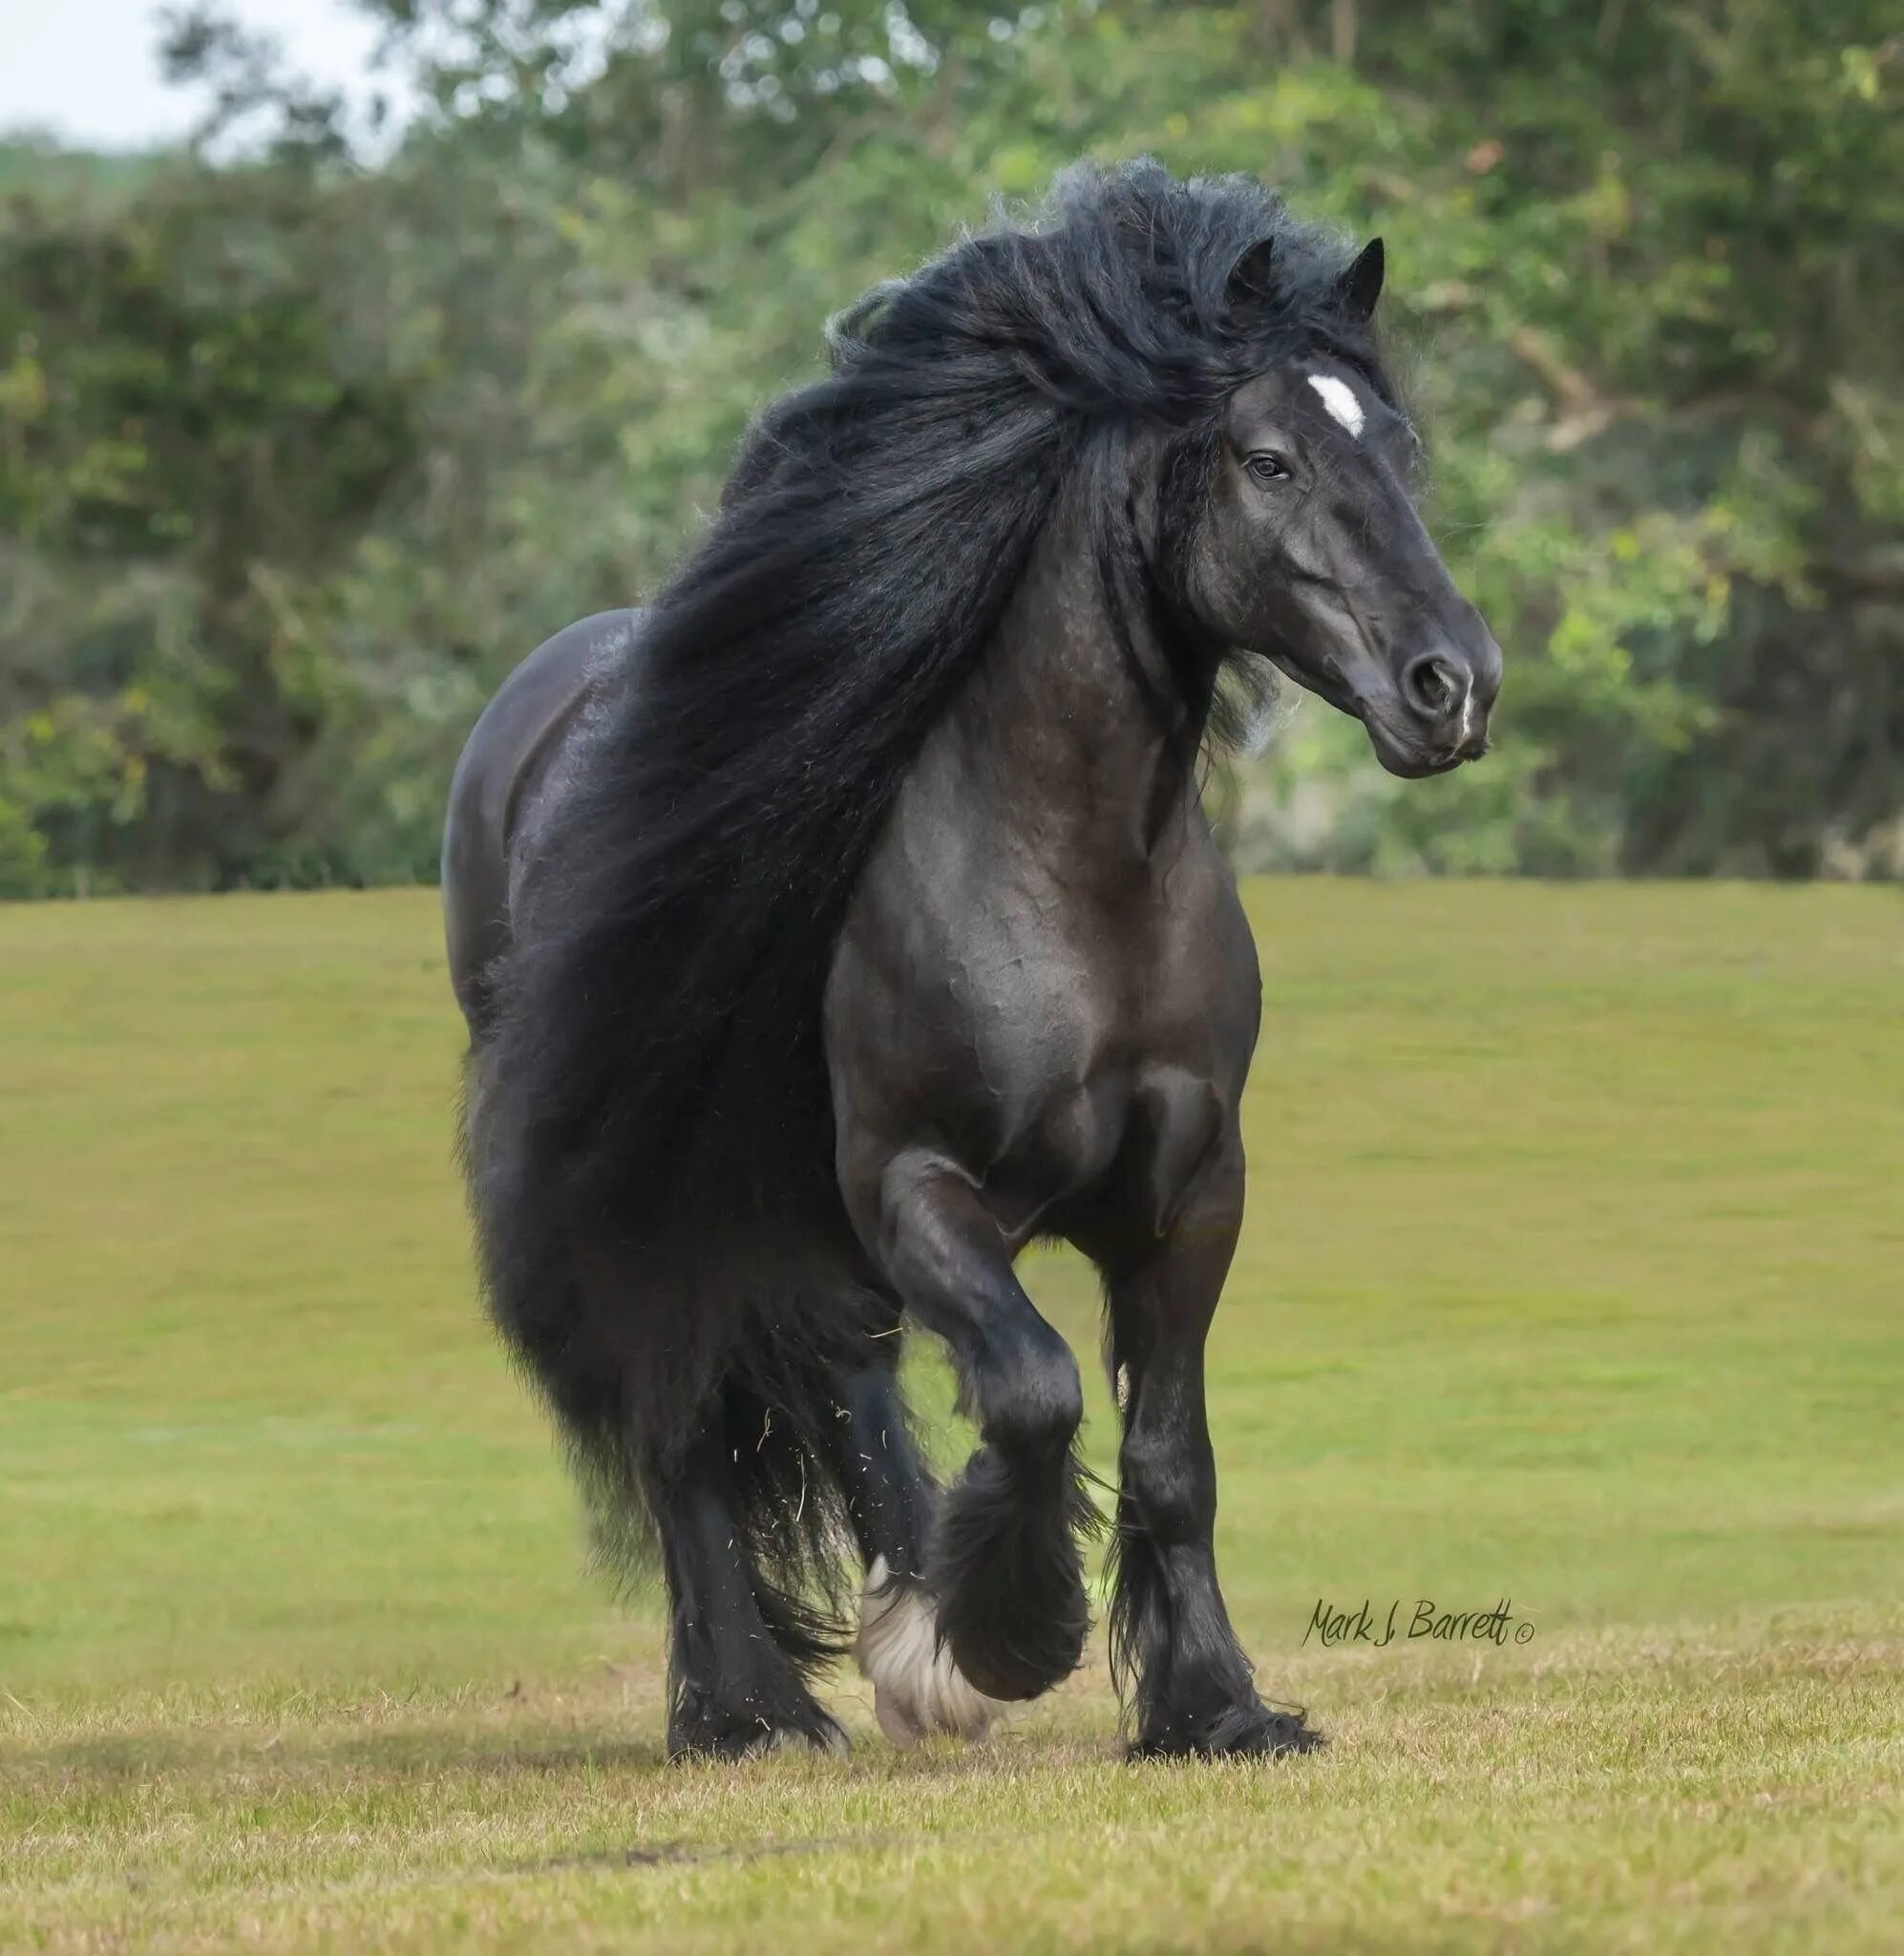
(406, 1755)
(692, 1853)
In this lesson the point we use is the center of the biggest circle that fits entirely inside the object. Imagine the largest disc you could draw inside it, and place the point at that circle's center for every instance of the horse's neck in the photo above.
(1073, 742)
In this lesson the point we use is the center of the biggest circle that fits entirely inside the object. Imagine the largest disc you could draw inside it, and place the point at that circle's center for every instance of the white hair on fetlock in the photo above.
(916, 1687)
(1339, 398)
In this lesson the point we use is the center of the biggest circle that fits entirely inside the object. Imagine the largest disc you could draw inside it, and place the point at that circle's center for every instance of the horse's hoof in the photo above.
(1005, 1568)
(750, 1738)
(829, 1744)
(1249, 1732)
(917, 1687)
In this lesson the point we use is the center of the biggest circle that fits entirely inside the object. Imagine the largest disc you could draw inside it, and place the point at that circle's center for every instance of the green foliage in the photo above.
(298, 456)
(194, 429)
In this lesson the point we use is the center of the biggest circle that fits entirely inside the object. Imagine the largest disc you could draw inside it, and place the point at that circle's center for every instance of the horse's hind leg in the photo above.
(734, 1684)
(1171, 1644)
(917, 1687)
(1004, 1562)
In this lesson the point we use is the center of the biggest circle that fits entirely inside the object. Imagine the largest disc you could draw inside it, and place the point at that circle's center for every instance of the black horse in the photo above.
(849, 919)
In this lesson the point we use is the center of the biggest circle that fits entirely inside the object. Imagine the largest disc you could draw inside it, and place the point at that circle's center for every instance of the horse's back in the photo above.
(509, 766)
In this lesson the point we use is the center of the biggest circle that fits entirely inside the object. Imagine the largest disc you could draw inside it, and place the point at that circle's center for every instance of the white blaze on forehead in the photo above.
(1339, 398)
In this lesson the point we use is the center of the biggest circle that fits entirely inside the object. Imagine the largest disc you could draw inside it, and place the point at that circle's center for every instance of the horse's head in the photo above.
(1310, 552)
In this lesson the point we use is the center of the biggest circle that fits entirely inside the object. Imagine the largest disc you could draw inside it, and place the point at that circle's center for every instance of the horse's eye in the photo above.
(1267, 468)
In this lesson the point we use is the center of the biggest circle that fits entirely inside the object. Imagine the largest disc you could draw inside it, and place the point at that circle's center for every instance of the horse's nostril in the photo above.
(1433, 686)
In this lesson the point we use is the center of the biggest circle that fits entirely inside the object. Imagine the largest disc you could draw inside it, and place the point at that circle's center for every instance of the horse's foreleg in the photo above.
(1003, 1560)
(1171, 1645)
(917, 1687)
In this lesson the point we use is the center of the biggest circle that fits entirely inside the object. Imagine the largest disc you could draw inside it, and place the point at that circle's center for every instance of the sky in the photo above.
(87, 71)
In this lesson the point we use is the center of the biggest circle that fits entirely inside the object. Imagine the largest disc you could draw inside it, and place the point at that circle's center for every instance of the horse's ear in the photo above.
(1361, 284)
(1251, 286)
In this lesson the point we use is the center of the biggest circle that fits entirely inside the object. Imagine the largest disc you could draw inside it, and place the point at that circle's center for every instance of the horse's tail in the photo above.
(646, 1351)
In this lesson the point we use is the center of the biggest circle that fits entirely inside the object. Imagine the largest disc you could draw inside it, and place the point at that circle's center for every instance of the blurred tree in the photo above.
(394, 423)
(194, 430)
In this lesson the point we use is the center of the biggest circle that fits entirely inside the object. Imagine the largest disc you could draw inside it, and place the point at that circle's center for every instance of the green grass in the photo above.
(1573, 1274)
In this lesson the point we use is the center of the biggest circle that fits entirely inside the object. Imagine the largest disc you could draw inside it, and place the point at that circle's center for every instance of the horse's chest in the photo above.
(1039, 1040)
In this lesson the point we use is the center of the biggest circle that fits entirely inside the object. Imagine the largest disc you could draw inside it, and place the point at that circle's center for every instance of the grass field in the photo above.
(1574, 1276)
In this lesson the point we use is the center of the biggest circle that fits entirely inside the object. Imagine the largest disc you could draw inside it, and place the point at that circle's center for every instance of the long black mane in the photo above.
(653, 1099)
